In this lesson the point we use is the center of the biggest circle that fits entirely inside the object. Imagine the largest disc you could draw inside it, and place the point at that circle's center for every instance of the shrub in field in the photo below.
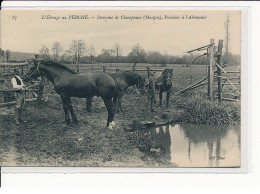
(198, 109)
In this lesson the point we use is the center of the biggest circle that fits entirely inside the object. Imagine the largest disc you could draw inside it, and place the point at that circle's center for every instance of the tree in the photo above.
(2, 55)
(78, 48)
(92, 53)
(137, 55)
(7, 55)
(44, 52)
(66, 57)
(227, 35)
(118, 51)
(56, 49)
(155, 57)
(107, 55)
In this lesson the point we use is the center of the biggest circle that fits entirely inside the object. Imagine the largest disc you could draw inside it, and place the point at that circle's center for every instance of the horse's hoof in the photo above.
(113, 123)
(110, 126)
(65, 123)
(75, 122)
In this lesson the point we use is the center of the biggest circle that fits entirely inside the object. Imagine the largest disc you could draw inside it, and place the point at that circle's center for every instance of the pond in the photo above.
(190, 145)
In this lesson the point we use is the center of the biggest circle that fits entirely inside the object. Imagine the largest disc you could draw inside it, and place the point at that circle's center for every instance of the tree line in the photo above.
(79, 52)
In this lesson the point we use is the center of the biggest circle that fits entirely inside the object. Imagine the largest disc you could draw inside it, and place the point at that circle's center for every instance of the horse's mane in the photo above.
(58, 65)
(166, 71)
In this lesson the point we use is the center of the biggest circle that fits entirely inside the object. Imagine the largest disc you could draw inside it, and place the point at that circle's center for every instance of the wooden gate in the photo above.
(218, 80)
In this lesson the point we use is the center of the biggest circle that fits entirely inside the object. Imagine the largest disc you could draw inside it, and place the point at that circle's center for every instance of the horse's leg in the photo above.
(89, 104)
(113, 116)
(160, 97)
(65, 108)
(152, 102)
(167, 99)
(119, 106)
(110, 111)
(115, 101)
(73, 116)
(67, 101)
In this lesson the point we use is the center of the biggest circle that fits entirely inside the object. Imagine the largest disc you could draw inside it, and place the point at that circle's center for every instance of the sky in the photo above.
(28, 30)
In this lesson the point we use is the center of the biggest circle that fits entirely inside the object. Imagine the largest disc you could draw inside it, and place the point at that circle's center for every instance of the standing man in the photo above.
(20, 88)
(151, 92)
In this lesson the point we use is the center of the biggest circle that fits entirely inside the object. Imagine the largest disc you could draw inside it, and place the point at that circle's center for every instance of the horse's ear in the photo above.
(171, 71)
(163, 71)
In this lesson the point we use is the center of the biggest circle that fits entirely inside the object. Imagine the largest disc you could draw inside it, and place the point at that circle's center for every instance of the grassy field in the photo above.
(46, 141)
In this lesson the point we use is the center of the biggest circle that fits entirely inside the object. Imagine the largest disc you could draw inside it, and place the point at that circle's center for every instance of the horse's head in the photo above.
(34, 70)
(167, 75)
(141, 83)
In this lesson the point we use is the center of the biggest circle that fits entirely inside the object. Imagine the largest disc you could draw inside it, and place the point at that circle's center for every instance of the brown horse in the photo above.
(162, 83)
(123, 80)
(68, 83)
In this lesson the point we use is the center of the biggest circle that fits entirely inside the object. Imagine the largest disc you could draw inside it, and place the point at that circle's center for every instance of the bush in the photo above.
(199, 110)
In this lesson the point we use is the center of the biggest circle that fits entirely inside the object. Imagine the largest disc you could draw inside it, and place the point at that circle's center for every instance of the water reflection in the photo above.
(189, 145)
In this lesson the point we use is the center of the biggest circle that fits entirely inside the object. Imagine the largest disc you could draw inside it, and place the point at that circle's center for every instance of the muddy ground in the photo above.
(47, 141)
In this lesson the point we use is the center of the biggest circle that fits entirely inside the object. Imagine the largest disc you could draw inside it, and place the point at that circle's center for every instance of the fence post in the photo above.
(134, 65)
(211, 71)
(91, 67)
(219, 71)
(148, 72)
(104, 69)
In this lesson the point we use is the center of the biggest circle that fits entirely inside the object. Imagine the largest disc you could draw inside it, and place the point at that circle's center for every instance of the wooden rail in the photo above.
(233, 72)
(193, 85)
(104, 69)
(200, 48)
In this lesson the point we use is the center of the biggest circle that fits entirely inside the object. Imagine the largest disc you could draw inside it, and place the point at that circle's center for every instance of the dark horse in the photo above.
(123, 80)
(68, 83)
(164, 84)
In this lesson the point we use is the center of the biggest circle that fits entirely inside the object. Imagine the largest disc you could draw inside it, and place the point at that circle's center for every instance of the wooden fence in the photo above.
(7, 92)
(216, 74)
(7, 72)
(141, 70)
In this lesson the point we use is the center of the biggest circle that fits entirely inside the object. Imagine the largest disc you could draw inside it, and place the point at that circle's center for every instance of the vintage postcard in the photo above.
(120, 88)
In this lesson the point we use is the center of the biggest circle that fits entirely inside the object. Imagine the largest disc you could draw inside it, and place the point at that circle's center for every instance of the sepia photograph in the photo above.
(120, 88)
